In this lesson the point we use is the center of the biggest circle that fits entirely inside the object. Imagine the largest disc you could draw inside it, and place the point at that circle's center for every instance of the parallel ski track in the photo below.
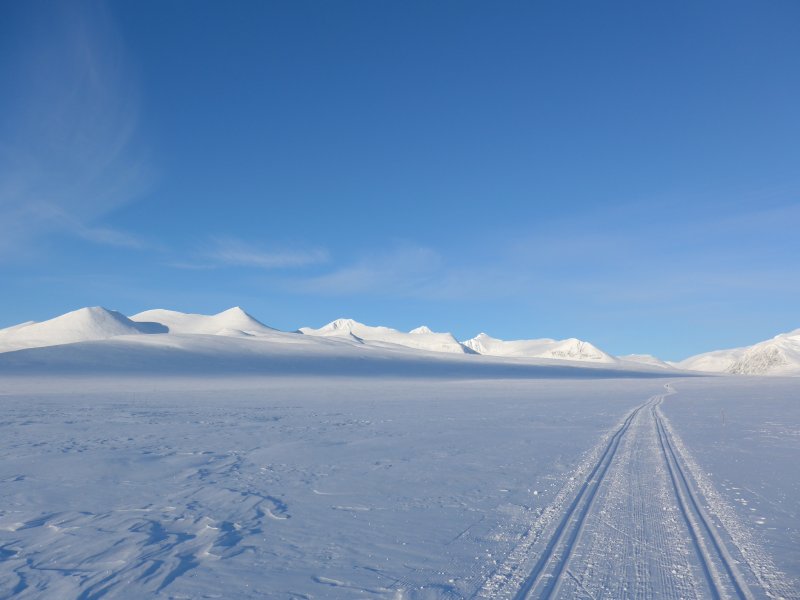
(709, 546)
(552, 563)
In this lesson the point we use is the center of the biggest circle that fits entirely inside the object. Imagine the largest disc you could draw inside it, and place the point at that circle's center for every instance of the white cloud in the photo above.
(403, 271)
(235, 252)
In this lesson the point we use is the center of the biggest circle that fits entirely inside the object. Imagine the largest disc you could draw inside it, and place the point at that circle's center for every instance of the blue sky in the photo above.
(623, 172)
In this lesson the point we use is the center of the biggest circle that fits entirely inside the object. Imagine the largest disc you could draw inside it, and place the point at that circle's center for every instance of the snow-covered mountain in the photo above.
(98, 323)
(778, 356)
(234, 321)
(161, 328)
(183, 330)
(421, 338)
(92, 323)
(569, 349)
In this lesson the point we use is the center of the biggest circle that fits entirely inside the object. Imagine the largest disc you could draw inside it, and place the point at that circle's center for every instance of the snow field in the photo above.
(323, 489)
(345, 487)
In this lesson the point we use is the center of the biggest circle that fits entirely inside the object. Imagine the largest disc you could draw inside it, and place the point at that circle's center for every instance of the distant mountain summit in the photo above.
(84, 324)
(421, 329)
(98, 323)
(778, 356)
(228, 322)
(421, 338)
(569, 349)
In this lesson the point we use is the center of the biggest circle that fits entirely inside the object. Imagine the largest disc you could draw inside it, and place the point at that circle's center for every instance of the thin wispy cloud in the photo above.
(401, 271)
(70, 153)
(233, 252)
(616, 264)
(417, 272)
(54, 218)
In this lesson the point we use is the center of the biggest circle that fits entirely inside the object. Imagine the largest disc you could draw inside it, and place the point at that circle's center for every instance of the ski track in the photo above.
(510, 580)
(722, 575)
(764, 578)
(639, 525)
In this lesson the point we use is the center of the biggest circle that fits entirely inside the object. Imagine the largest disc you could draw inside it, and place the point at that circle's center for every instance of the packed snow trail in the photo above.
(636, 527)
(710, 548)
(551, 565)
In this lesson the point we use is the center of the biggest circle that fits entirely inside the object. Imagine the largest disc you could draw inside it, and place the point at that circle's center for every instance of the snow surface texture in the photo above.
(239, 486)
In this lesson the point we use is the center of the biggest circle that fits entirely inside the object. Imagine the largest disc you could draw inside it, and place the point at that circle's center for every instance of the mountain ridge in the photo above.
(779, 355)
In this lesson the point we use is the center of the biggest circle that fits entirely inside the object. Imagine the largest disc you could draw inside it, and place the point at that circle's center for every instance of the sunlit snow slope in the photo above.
(195, 334)
(234, 321)
(93, 323)
(569, 349)
(420, 338)
(646, 359)
(778, 356)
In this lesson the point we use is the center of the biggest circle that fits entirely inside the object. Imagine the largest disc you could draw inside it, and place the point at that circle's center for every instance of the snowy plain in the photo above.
(283, 465)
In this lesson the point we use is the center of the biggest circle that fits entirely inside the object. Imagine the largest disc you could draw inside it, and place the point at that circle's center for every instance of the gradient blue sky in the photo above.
(623, 172)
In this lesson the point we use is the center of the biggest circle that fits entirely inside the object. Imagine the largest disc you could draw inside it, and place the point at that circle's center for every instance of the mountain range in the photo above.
(778, 356)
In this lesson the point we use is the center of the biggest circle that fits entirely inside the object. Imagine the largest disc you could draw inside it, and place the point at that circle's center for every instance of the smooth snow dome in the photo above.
(85, 324)
(234, 321)
(778, 356)
(569, 349)
(421, 338)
